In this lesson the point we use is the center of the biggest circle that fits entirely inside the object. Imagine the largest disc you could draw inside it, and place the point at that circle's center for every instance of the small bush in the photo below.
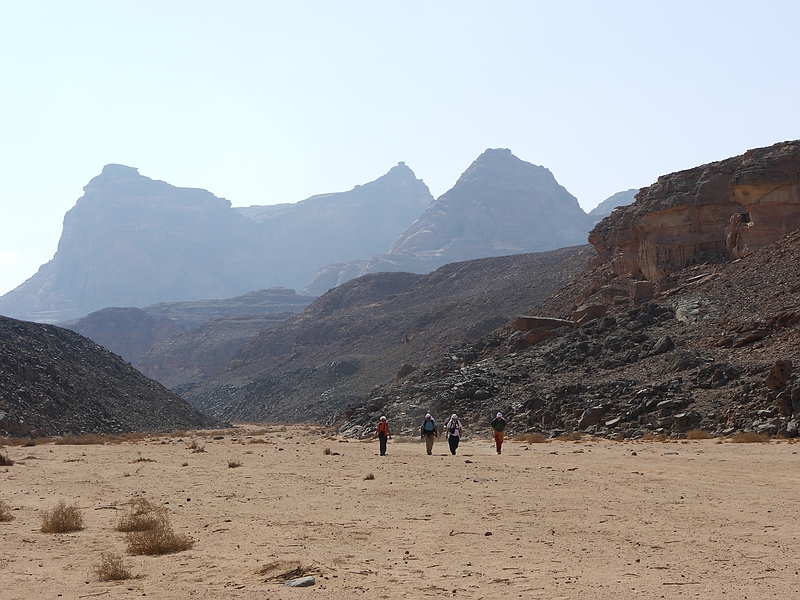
(5, 461)
(699, 434)
(82, 440)
(159, 540)
(232, 464)
(750, 437)
(196, 448)
(327, 452)
(111, 568)
(62, 519)
(369, 477)
(5, 513)
(530, 438)
(573, 436)
(142, 515)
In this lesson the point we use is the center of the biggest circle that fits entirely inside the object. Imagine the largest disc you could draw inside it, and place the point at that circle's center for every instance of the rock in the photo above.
(301, 582)
(718, 211)
(664, 344)
(589, 312)
(779, 374)
(529, 323)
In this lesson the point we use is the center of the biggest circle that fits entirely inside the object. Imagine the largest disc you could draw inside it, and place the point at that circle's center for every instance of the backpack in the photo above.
(453, 427)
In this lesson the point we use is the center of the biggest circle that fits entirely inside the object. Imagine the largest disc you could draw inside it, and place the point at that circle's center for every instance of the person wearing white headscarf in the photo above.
(499, 429)
(383, 433)
(453, 431)
(428, 431)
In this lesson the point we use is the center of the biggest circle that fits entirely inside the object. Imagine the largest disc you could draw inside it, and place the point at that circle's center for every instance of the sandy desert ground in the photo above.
(577, 519)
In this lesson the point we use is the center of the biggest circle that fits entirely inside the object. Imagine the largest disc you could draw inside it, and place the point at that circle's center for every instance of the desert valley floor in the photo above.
(562, 519)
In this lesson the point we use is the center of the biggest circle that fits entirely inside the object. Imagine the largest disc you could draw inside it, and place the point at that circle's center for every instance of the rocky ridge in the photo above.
(56, 382)
(368, 330)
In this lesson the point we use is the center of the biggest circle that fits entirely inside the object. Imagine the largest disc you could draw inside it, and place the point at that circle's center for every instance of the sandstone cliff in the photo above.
(719, 211)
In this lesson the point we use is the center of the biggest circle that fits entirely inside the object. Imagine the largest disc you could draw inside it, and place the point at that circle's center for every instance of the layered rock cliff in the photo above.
(719, 211)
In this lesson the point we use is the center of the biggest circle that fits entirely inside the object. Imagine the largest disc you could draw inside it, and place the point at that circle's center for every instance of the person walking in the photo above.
(383, 434)
(499, 429)
(453, 431)
(428, 431)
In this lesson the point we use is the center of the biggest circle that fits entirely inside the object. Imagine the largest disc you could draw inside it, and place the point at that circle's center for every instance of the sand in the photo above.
(579, 519)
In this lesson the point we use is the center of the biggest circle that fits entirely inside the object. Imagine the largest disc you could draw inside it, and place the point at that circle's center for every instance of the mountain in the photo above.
(133, 241)
(375, 328)
(134, 333)
(688, 319)
(500, 205)
(607, 206)
(56, 382)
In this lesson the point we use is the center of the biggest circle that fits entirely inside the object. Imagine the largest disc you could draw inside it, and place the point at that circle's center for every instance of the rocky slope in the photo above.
(181, 342)
(697, 356)
(56, 382)
(500, 205)
(374, 328)
(133, 241)
(709, 344)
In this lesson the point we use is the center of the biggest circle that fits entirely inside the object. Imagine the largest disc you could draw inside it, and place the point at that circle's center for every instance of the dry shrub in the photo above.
(397, 439)
(369, 477)
(5, 461)
(159, 540)
(5, 513)
(141, 515)
(111, 568)
(196, 448)
(148, 530)
(327, 452)
(572, 436)
(62, 519)
(531, 438)
(232, 464)
(749, 437)
(699, 434)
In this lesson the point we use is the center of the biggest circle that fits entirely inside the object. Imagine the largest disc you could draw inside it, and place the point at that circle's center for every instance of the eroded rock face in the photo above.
(719, 211)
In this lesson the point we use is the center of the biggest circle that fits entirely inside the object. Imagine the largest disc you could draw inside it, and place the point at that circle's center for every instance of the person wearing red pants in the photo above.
(499, 429)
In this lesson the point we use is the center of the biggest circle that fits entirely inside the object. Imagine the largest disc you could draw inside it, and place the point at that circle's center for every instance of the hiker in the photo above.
(383, 433)
(428, 431)
(453, 431)
(499, 429)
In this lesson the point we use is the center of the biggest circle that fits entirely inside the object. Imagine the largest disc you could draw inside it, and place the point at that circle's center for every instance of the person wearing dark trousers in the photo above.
(383, 434)
(453, 431)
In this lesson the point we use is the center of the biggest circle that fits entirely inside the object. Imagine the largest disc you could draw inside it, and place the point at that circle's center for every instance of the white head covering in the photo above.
(499, 415)
(428, 416)
(454, 417)
(383, 418)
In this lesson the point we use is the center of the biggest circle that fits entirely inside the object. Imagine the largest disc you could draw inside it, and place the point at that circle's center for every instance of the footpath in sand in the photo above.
(585, 519)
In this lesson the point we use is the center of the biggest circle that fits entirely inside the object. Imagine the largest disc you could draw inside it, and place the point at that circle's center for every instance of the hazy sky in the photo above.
(263, 101)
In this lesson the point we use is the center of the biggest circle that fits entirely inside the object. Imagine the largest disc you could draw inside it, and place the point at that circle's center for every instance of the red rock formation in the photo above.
(719, 211)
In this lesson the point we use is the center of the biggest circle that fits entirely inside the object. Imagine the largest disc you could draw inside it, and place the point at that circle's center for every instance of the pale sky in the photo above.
(263, 101)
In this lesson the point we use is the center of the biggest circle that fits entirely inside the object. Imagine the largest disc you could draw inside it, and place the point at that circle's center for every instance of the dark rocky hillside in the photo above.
(374, 328)
(689, 319)
(56, 382)
(696, 356)
(181, 342)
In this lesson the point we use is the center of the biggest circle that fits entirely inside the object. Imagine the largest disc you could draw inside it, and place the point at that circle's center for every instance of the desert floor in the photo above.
(585, 519)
